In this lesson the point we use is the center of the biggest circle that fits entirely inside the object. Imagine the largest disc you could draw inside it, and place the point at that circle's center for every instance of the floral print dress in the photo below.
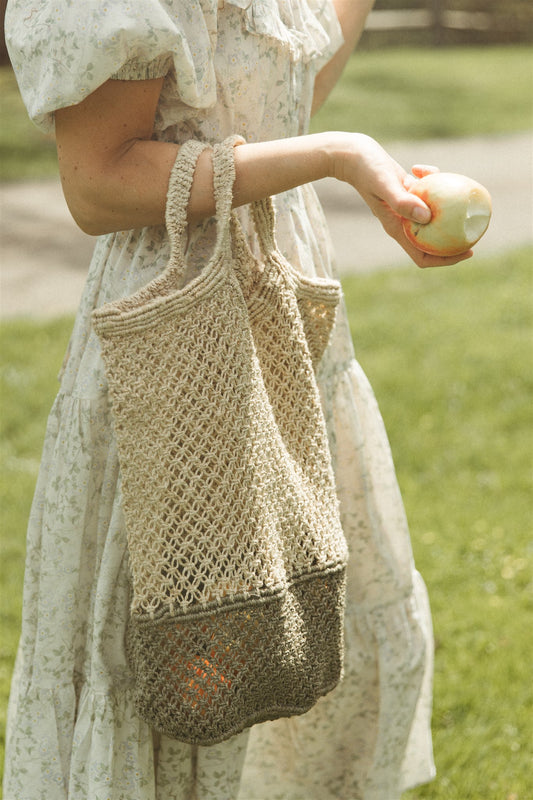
(232, 66)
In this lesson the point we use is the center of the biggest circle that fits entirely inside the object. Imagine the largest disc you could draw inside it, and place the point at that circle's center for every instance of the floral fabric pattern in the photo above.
(232, 66)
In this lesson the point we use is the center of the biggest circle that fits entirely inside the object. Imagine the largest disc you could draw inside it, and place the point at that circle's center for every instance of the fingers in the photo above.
(425, 260)
(408, 205)
(421, 259)
(392, 224)
(419, 170)
(395, 193)
(434, 261)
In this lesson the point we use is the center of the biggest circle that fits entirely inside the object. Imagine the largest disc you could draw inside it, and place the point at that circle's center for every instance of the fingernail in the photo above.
(421, 215)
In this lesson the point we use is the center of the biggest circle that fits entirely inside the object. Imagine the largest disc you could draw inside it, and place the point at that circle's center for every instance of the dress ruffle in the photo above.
(386, 663)
(147, 39)
(88, 742)
(309, 29)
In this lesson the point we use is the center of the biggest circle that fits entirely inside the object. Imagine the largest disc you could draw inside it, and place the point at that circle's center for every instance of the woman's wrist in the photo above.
(272, 167)
(345, 153)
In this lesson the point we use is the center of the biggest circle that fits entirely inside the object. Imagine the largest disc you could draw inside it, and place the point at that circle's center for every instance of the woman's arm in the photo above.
(352, 16)
(115, 176)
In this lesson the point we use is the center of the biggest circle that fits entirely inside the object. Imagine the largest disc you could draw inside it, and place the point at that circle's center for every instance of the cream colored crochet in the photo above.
(236, 550)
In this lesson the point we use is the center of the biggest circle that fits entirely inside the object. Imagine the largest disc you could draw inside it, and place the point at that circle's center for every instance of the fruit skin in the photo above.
(460, 213)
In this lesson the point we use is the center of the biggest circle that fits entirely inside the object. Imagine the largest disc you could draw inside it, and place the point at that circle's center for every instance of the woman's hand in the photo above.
(383, 184)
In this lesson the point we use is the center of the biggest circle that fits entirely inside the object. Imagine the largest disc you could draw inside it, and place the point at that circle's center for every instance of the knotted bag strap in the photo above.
(223, 180)
(178, 196)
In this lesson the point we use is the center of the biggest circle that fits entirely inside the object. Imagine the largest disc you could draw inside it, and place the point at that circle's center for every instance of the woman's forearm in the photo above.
(115, 175)
(129, 190)
(352, 16)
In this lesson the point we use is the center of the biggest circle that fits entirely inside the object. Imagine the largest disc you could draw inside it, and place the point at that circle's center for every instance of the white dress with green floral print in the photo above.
(246, 67)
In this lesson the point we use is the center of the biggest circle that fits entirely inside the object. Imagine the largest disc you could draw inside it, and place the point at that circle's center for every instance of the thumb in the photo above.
(398, 195)
(408, 205)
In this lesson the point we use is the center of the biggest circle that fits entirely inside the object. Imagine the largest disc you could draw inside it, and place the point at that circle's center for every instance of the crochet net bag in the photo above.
(236, 550)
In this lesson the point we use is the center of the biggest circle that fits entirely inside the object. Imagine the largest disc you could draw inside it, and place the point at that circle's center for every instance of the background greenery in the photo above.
(423, 93)
(449, 355)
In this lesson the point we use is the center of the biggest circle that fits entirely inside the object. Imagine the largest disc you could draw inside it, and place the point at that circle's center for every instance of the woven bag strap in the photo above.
(179, 190)
(264, 221)
(178, 195)
(223, 180)
(263, 213)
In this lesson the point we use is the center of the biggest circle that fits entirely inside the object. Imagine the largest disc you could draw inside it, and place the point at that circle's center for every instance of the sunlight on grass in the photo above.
(391, 94)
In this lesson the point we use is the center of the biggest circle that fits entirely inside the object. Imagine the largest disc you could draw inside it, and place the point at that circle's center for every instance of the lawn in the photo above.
(449, 356)
(25, 152)
(432, 93)
(389, 94)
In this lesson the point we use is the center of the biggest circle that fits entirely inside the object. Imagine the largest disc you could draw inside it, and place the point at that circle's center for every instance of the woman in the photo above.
(125, 84)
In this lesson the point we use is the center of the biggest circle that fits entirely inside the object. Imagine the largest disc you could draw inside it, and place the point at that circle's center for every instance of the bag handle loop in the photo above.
(179, 191)
(178, 195)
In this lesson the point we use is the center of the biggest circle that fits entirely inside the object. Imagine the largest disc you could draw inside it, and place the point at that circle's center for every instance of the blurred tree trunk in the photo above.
(4, 58)
(437, 11)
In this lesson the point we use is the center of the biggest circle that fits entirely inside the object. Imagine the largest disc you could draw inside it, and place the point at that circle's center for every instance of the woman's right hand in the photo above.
(384, 186)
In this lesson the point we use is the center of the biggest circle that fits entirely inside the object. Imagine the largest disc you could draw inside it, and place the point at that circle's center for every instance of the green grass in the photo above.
(432, 93)
(403, 93)
(449, 355)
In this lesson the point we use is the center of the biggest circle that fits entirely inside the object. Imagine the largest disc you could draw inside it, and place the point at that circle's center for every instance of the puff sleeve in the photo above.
(62, 50)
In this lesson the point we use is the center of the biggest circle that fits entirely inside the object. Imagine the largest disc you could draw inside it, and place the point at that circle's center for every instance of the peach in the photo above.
(460, 213)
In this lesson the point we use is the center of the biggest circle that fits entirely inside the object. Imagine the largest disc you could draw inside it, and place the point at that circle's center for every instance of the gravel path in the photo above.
(44, 256)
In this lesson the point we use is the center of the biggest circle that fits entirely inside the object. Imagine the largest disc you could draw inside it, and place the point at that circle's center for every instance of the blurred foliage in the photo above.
(25, 152)
(404, 93)
(510, 22)
(465, 91)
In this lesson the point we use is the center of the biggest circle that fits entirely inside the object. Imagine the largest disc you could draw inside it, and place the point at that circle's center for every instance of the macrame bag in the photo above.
(236, 550)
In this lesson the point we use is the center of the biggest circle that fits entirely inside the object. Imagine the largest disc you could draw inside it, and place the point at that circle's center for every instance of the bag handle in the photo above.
(178, 195)
(179, 190)
(223, 180)
(264, 218)
(263, 213)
